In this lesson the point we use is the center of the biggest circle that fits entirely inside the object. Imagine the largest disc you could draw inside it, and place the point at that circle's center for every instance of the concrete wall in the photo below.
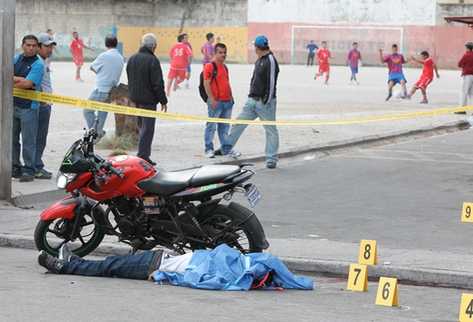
(95, 19)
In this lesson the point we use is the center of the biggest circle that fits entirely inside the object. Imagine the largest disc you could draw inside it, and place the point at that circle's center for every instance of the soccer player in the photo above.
(188, 75)
(77, 50)
(426, 77)
(396, 76)
(353, 60)
(180, 55)
(324, 55)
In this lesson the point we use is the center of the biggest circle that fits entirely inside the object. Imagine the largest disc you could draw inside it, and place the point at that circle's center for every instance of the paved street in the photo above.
(28, 294)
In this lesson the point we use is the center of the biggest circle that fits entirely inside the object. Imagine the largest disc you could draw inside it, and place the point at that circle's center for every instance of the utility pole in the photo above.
(7, 45)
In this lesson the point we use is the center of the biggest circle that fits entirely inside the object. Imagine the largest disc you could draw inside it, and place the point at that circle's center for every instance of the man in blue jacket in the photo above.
(28, 74)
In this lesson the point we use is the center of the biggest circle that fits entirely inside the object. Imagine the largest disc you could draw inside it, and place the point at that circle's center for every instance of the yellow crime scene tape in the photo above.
(121, 109)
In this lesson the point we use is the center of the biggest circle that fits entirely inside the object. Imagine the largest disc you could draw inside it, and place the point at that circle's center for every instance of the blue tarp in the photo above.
(225, 268)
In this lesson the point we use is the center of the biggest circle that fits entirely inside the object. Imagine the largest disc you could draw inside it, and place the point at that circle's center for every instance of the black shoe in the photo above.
(16, 173)
(26, 177)
(43, 174)
(218, 152)
(461, 112)
(151, 162)
(271, 165)
(51, 263)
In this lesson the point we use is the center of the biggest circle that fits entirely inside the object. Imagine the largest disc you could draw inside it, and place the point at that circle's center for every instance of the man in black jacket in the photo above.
(146, 90)
(261, 103)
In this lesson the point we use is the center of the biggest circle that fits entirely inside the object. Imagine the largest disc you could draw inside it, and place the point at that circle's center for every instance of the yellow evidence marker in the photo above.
(466, 308)
(467, 212)
(358, 278)
(387, 292)
(368, 253)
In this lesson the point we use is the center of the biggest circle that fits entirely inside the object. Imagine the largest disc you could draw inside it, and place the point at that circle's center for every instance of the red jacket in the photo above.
(466, 63)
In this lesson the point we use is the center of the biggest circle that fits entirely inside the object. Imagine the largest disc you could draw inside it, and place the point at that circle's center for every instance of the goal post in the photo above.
(340, 39)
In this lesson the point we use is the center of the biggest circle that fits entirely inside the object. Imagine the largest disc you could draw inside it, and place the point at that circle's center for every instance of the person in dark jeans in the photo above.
(46, 47)
(311, 48)
(146, 90)
(28, 74)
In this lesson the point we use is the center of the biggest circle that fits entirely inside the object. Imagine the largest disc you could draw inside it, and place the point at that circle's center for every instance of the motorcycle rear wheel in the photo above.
(50, 235)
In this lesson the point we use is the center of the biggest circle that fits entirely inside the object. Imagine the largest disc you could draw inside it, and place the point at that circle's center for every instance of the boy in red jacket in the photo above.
(466, 64)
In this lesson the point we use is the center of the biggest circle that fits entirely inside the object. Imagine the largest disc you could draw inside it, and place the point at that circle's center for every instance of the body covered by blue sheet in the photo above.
(225, 268)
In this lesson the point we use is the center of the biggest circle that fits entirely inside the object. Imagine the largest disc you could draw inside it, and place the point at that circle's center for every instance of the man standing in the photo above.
(189, 66)
(220, 99)
(353, 60)
(108, 67)
(208, 49)
(146, 89)
(261, 103)
(77, 50)
(324, 55)
(180, 55)
(311, 47)
(466, 65)
(396, 75)
(46, 47)
(28, 74)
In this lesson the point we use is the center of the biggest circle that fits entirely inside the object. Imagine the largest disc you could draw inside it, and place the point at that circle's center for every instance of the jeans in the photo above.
(91, 115)
(43, 127)
(310, 59)
(146, 127)
(25, 121)
(138, 266)
(265, 112)
(222, 110)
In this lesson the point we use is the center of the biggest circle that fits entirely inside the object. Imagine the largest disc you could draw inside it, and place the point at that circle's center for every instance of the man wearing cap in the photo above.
(46, 47)
(146, 90)
(261, 103)
(28, 74)
(466, 65)
(108, 67)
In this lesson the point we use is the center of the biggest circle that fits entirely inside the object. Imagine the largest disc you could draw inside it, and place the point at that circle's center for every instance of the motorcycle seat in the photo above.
(169, 182)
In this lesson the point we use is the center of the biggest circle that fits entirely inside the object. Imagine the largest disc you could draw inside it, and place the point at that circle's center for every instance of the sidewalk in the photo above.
(179, 145)
(420, 267)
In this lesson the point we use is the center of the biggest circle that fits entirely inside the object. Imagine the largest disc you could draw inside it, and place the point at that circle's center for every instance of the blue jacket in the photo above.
(225, 268)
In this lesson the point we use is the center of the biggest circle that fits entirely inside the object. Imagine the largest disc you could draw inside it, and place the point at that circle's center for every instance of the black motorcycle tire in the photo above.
(253, 234)
(42, 243)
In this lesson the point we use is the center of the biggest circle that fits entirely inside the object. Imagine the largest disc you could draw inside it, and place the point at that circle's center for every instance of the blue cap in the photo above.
(261, 42)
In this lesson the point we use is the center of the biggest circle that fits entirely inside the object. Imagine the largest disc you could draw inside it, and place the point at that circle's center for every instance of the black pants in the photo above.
(146, 126)
(310, 59)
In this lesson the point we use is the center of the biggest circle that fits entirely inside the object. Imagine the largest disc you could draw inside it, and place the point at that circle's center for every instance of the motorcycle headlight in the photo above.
(63, 179)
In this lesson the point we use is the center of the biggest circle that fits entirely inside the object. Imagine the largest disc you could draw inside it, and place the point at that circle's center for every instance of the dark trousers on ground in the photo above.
(310, 59)
(146, 126)
(138, 266)
(43, 128)
(25, 122)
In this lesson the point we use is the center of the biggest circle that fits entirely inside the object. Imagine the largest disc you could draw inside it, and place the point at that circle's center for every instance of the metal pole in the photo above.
(7, 45)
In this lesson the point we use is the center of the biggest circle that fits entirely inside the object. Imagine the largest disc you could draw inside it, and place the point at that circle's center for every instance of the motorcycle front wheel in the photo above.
(50, 235)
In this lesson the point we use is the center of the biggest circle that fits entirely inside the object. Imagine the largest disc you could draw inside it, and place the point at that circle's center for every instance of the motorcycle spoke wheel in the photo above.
(223, 229)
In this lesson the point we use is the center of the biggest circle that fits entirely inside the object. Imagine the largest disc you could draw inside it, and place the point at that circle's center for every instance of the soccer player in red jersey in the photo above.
(77, 50)
(324, 55)
(427, 75)
(181, 56)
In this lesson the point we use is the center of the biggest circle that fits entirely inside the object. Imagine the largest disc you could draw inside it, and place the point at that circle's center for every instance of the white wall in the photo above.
(385, 12)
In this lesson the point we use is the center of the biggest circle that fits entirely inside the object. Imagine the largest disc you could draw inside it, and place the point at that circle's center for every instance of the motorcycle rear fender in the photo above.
(254, 222)
(65, 208)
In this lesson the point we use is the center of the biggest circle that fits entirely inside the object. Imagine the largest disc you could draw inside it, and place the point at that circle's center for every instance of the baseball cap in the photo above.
(45, 39)
(261, 41)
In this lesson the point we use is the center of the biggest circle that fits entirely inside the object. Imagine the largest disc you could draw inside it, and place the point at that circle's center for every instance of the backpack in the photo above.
(202, 92)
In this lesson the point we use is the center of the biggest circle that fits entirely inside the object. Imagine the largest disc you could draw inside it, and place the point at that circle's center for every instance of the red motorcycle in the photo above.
(127, 197)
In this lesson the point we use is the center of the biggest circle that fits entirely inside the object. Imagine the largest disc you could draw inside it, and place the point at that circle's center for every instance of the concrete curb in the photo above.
(365, 141)
(405, 275)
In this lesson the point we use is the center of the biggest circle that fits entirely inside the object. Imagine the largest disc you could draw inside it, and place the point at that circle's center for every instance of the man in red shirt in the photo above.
(324, 55)
(427, 75)
(220, 98)
(466, 64)
(77, 50)
(181, 56)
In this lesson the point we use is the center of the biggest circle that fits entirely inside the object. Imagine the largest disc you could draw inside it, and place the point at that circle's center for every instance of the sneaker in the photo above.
(26, 177)
(150, 162)
(66, 254)
(16, 173)
(271, 165)
(52, 264)
(234, 154)
(43, 174)
(210, 154)
(218, 152)
(461, 112)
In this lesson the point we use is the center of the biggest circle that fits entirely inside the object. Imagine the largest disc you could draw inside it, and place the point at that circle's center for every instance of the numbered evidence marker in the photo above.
(358, 278)
(368, 253)
(466, 308)
(387, 292)
(467, 212)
